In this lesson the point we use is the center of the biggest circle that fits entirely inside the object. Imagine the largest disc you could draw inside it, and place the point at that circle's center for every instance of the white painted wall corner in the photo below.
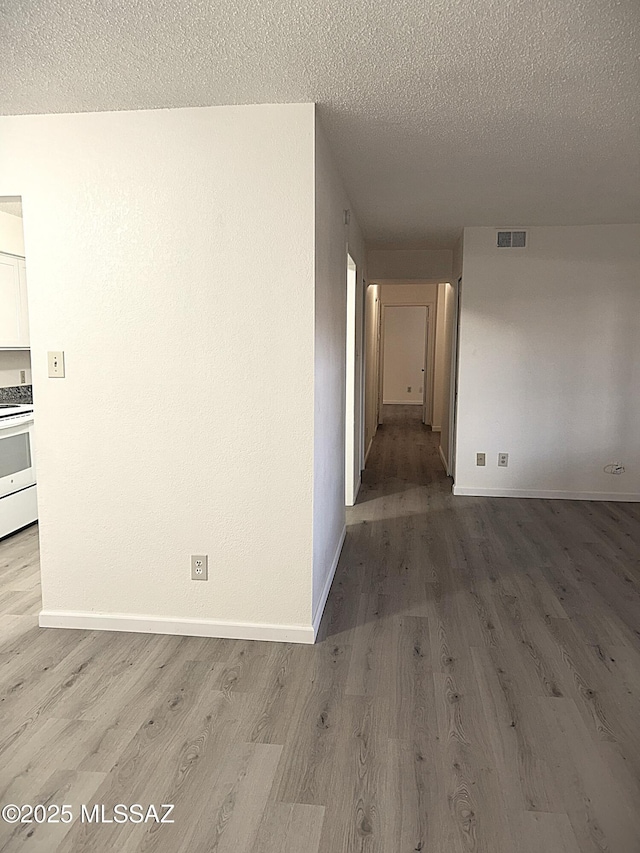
(317, 616)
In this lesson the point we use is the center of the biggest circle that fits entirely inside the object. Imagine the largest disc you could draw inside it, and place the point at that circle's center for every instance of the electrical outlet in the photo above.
(481, 459)
(409, 388)
(503, 460)
(23, 377)
(199, 567)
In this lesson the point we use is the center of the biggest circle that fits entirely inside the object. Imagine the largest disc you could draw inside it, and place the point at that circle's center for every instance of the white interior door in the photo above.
(404, 362)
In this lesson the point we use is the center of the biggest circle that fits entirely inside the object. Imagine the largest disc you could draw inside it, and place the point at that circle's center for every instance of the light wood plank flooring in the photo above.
(476, 687)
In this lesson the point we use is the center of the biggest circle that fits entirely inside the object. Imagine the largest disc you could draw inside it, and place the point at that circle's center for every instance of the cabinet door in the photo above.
(24, 307)
(11, 311)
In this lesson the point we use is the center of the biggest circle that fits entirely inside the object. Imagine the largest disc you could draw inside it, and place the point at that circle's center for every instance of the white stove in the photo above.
(10, 411)
(18, 504)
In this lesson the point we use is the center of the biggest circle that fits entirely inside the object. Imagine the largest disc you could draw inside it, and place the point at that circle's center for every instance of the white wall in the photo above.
(457, 259)
(408, 293)
(11, 363)
(171, 256)
(405, 329)
(333, 239)
(550, 363)
(11, 234)
(447, 312)
(390, 263)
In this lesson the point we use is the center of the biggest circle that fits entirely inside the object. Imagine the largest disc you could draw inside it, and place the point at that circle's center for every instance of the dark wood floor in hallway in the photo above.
(475, 687)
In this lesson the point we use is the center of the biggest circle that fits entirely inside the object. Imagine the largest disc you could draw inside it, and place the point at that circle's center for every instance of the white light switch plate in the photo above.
(56, 365)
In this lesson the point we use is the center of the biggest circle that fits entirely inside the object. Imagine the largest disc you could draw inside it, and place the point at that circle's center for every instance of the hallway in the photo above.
(475, 687)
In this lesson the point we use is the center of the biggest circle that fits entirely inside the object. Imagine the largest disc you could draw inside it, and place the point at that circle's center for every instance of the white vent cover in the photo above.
(512, 239)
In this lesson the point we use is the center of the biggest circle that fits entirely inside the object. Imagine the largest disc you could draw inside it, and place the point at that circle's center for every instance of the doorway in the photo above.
(17, 469)
(352, 442)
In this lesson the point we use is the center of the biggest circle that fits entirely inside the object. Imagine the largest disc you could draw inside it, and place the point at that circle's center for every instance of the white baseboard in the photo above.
(317, 616)
(444, 462)
(88, 621)
(549, 494)
(402, 403)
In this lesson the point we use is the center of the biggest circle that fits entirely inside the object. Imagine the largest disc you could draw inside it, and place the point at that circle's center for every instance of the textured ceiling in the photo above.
(441, 113)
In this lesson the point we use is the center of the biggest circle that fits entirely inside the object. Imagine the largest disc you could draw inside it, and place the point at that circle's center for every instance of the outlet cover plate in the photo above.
(481, 459)
(199, 567)
(503, 460)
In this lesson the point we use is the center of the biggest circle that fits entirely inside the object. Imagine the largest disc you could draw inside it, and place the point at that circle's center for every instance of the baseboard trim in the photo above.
(129, 622)
(444, 461)
(547, 494)
(402, 403)
(317, 616)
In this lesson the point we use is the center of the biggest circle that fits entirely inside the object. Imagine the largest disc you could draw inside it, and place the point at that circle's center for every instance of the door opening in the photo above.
(352, 391)
(17, 469)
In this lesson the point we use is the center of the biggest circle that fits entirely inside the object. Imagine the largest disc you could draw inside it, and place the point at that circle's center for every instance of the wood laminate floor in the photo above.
(476, 687)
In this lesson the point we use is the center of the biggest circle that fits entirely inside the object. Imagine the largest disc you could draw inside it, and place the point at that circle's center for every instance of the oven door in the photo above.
(16, 459)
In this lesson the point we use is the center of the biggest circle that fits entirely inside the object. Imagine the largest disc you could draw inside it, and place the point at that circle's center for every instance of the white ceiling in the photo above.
(441, 113)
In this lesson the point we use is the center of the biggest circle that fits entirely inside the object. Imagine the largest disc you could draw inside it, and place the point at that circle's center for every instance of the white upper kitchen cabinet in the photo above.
(14, 313)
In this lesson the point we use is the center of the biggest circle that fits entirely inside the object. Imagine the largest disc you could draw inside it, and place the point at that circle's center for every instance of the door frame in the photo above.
(363, 371)
(453, 391)
(353, 442)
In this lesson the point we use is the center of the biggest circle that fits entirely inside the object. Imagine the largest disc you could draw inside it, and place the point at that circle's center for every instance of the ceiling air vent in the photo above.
(512, 239)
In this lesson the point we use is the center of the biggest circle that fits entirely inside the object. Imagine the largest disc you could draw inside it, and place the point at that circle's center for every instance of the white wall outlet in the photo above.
(199, 567)
(23, 377)
(481, 459)
(56, 365)
(503, 460)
